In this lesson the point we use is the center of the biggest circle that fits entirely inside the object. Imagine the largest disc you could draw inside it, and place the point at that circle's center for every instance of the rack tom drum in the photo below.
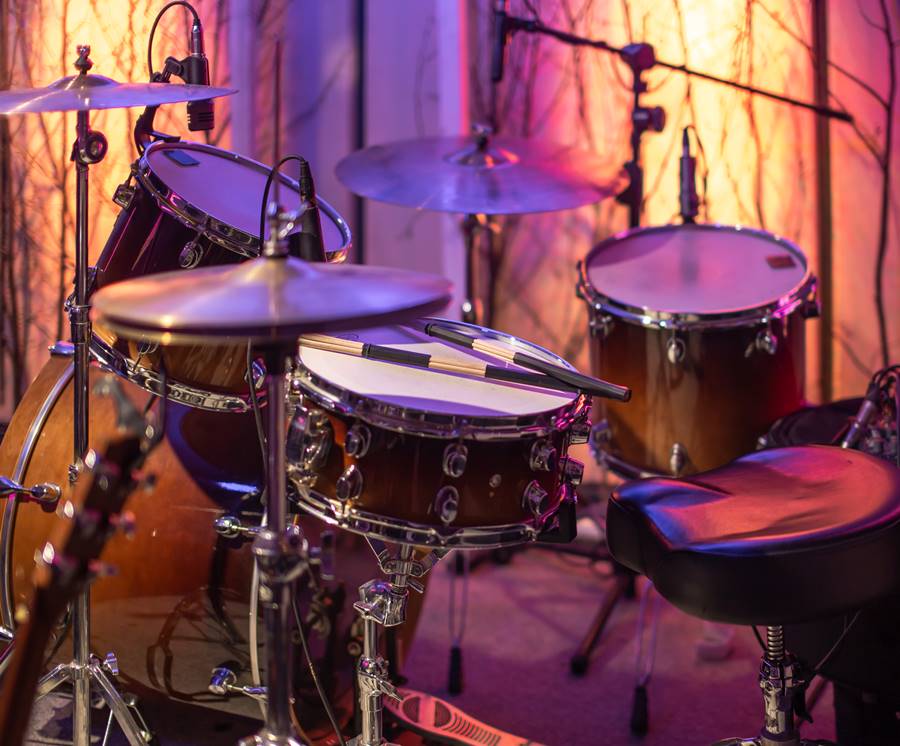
(192, 205)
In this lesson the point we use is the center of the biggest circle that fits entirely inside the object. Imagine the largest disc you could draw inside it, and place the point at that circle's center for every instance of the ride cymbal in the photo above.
(479, 175)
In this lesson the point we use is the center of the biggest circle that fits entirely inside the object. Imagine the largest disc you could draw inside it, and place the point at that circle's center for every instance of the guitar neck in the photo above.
(24, 671)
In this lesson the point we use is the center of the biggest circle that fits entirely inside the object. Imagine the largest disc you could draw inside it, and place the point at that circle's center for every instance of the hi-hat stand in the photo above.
(85, 669)
(382, 603)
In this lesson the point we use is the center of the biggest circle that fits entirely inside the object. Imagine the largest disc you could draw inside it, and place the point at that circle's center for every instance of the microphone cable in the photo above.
(156, 21)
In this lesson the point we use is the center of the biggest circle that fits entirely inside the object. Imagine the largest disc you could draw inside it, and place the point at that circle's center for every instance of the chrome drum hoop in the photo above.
(404, 532)
(149, 380)
(219, 232)
(432, 425)
(804, 292)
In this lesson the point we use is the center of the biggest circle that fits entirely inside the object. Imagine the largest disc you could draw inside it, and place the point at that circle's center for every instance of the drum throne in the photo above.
(774, 538)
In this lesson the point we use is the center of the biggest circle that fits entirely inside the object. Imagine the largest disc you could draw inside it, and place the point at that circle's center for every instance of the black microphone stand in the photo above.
(639, 57)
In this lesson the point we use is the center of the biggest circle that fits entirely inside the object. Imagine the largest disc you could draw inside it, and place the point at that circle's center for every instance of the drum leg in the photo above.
(623, 587)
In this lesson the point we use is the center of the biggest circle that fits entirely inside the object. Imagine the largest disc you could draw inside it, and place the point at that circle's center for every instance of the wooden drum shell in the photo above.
(716, 402)
(403, 473)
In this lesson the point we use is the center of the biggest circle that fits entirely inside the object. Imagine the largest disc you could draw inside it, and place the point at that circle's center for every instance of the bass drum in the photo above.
(179, 603)
(192, 205)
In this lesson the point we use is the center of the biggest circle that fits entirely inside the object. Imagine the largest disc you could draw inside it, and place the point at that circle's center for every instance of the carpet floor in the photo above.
(523, 622)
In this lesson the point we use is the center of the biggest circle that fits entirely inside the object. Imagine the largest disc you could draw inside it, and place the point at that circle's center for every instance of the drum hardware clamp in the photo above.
(382, 603)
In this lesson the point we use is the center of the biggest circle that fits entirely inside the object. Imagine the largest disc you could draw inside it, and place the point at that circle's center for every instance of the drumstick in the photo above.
(573, 378)
(421, 360)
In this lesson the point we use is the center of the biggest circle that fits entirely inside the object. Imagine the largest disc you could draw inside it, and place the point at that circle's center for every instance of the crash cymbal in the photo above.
(479, 175)
(91, 92)
(265, 299)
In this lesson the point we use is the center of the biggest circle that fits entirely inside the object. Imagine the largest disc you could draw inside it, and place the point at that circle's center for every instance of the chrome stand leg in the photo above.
(90, 147)
(280, 557)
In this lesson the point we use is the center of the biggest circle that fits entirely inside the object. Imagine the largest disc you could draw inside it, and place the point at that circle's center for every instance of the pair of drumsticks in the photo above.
(548, 375)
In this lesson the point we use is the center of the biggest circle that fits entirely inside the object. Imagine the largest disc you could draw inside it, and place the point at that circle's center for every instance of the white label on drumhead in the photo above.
(696, 270)
(431, 390)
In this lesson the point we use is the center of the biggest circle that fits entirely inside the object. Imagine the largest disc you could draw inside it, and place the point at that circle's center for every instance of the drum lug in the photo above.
(446, 504)
(601, 433)
(678, 459)
(600, 324)
(572, 470)
(349, 485)
(192, 254)
(675, 350)
(580, 432)
(357, 440)
(456, 455)
(309, 439)
(765, 341)
(534, 498)
(543, 456)
(124, 194)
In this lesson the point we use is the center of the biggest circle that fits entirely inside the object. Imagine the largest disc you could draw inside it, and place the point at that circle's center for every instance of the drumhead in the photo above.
(696, 271)
(229, 188)
(379, 391)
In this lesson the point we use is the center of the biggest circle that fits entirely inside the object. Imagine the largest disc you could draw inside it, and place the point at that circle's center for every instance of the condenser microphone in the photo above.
(201, 115)
(308, 244)
(690, 202)
(498, 53)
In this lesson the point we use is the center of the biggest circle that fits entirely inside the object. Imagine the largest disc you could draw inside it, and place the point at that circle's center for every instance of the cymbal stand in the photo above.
(382, 603)
(280, 549)
(85, 669)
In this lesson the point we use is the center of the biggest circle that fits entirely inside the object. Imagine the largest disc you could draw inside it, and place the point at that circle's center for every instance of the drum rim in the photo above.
(368, 524)
(148, 379)
(218, 231)
(803, 291)
(341, 401)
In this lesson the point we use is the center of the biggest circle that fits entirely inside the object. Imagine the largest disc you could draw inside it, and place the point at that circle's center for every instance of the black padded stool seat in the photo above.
(776, 537)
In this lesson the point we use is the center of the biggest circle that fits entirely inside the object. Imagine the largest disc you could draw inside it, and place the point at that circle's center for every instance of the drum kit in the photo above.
(296, 389)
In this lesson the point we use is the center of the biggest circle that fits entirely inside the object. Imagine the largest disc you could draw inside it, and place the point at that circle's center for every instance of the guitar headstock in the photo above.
(94, 511)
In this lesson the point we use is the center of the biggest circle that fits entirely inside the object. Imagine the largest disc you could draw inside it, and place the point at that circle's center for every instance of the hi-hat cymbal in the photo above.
(479, 175)
(92, 92)
(265, 299)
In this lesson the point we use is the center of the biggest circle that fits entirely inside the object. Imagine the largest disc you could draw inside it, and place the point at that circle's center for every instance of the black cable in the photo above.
(817, 669)
(758, 637)
(257, 413)
(262, 213)
(156, 21)
(312, 671)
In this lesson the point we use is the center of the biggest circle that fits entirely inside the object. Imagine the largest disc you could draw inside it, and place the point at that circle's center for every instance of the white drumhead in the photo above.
(696, 269)
(429, 390)
(225, 186)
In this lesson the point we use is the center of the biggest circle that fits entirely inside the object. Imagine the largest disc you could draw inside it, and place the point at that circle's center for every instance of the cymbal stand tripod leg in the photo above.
(90, 148)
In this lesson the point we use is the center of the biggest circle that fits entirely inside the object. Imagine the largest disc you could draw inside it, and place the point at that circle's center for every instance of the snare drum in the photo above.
(192, 205)
(426, 457)
(706, 324)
